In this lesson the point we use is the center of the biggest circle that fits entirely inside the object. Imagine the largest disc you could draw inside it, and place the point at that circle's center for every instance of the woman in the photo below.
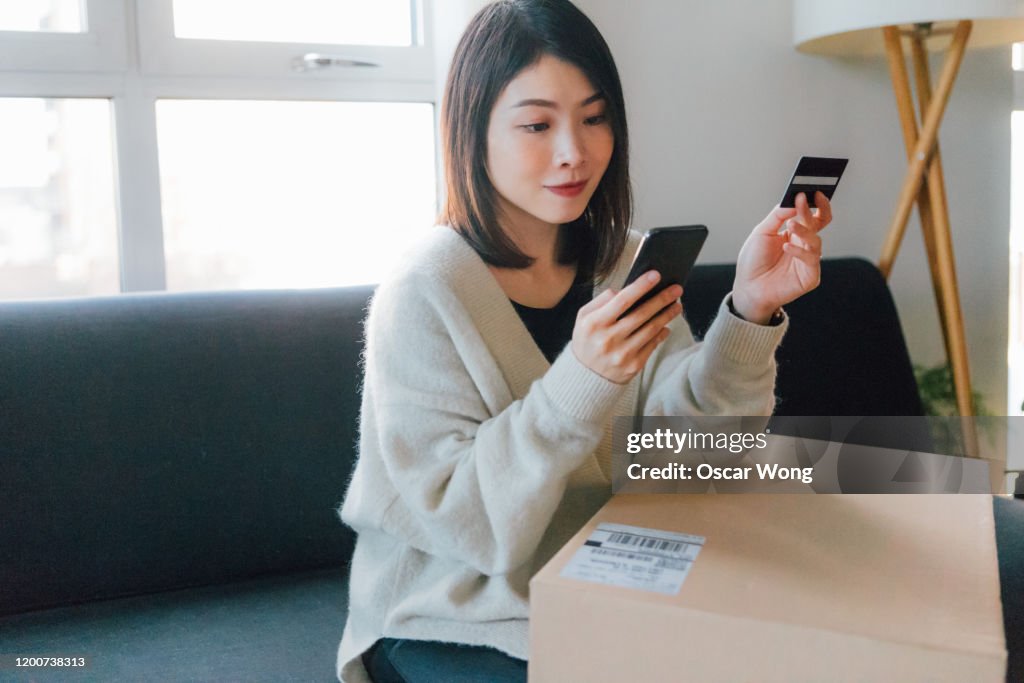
(496, 360)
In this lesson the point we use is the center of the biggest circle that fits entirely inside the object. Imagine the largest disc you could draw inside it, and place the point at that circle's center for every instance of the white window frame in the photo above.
(225, 70)
(162, 53)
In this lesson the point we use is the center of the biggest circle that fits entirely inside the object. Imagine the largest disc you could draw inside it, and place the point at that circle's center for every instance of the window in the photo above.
(187, 144)
(345, 22)
(1015, 356)
(61, 16)
(67, 36)
(1015, 352)
(349, 181)
(58, 235)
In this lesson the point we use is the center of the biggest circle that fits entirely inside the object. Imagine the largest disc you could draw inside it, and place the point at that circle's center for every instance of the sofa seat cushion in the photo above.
(282, 628)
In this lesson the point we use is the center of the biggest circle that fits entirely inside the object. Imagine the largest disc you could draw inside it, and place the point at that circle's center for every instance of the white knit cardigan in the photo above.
(478, 459)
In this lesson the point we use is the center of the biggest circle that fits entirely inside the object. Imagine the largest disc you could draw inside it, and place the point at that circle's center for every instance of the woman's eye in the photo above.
(535, 127)
(596, 120)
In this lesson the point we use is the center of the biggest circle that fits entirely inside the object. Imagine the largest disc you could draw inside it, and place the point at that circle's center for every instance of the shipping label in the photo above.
(635, 557)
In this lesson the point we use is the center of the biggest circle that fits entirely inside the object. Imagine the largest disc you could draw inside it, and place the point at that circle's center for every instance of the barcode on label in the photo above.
(646, 543)
(635, 557)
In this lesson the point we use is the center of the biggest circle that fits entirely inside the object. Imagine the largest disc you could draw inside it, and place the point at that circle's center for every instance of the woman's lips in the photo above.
(570, 190)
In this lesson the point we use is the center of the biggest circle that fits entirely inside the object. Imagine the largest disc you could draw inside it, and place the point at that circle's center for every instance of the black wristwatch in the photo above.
(776, 319)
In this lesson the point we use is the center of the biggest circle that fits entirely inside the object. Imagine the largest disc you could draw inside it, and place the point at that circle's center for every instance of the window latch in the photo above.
(313, 61)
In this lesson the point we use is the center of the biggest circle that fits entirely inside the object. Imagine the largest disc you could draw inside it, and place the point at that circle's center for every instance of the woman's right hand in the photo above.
(618, 349)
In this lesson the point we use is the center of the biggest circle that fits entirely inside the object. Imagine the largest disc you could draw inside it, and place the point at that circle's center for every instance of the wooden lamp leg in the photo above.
(930, 196)
(908, 122)
(950, 312)
(921, 154)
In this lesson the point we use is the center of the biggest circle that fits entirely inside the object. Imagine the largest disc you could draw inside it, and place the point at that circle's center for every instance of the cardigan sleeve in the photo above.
(466, 481)
(730, 372)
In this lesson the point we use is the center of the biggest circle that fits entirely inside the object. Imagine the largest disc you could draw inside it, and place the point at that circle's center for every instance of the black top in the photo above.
(551, 328)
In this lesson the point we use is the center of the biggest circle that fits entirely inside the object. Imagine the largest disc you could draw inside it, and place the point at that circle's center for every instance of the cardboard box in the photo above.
(782, 588)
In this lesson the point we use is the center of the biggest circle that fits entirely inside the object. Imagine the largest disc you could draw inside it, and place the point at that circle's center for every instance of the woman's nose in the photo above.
(570, 149)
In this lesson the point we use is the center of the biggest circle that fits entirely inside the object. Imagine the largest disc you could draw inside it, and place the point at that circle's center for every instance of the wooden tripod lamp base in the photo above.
(859, 28)
(924, 184)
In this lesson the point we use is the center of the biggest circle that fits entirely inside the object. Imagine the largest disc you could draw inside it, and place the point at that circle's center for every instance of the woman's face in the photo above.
(548, 129)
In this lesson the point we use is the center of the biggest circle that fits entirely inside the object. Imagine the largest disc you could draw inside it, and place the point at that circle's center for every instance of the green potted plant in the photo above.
(938, 398)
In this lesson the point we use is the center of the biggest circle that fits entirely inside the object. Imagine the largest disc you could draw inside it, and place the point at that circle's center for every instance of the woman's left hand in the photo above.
(775, 268)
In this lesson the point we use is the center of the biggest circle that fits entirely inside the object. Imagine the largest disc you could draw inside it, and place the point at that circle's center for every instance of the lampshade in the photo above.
(849, 27)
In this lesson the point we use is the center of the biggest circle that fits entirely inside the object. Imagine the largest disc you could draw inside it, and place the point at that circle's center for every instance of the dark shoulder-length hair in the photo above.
(504, 38)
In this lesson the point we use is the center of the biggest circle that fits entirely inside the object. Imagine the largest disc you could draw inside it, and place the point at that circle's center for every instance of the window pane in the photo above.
(64, 16)
(291, 194)
(349, 22)
(58, 233)
(1016, 335)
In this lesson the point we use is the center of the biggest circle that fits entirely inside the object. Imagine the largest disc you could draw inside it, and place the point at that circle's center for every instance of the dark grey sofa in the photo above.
(170, 466)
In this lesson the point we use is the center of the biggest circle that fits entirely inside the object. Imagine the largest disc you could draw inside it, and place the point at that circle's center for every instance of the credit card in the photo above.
(813, 174)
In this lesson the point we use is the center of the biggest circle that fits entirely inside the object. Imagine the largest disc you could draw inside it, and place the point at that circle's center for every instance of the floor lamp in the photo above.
(864, 28)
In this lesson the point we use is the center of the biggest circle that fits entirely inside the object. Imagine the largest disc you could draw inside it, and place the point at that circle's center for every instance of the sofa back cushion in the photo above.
(157, 441)
(844, 353)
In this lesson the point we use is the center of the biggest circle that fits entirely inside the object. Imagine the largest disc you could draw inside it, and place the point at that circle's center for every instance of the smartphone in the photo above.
(670, 251)
(813, 174)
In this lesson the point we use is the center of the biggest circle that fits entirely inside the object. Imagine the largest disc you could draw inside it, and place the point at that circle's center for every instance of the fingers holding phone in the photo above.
(615, 341)
(617, 332)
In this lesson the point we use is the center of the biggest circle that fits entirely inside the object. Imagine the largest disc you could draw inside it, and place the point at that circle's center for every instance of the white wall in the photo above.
(721, 105)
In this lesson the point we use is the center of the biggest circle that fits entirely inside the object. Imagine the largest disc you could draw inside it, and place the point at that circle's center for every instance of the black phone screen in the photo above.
(670, 251)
